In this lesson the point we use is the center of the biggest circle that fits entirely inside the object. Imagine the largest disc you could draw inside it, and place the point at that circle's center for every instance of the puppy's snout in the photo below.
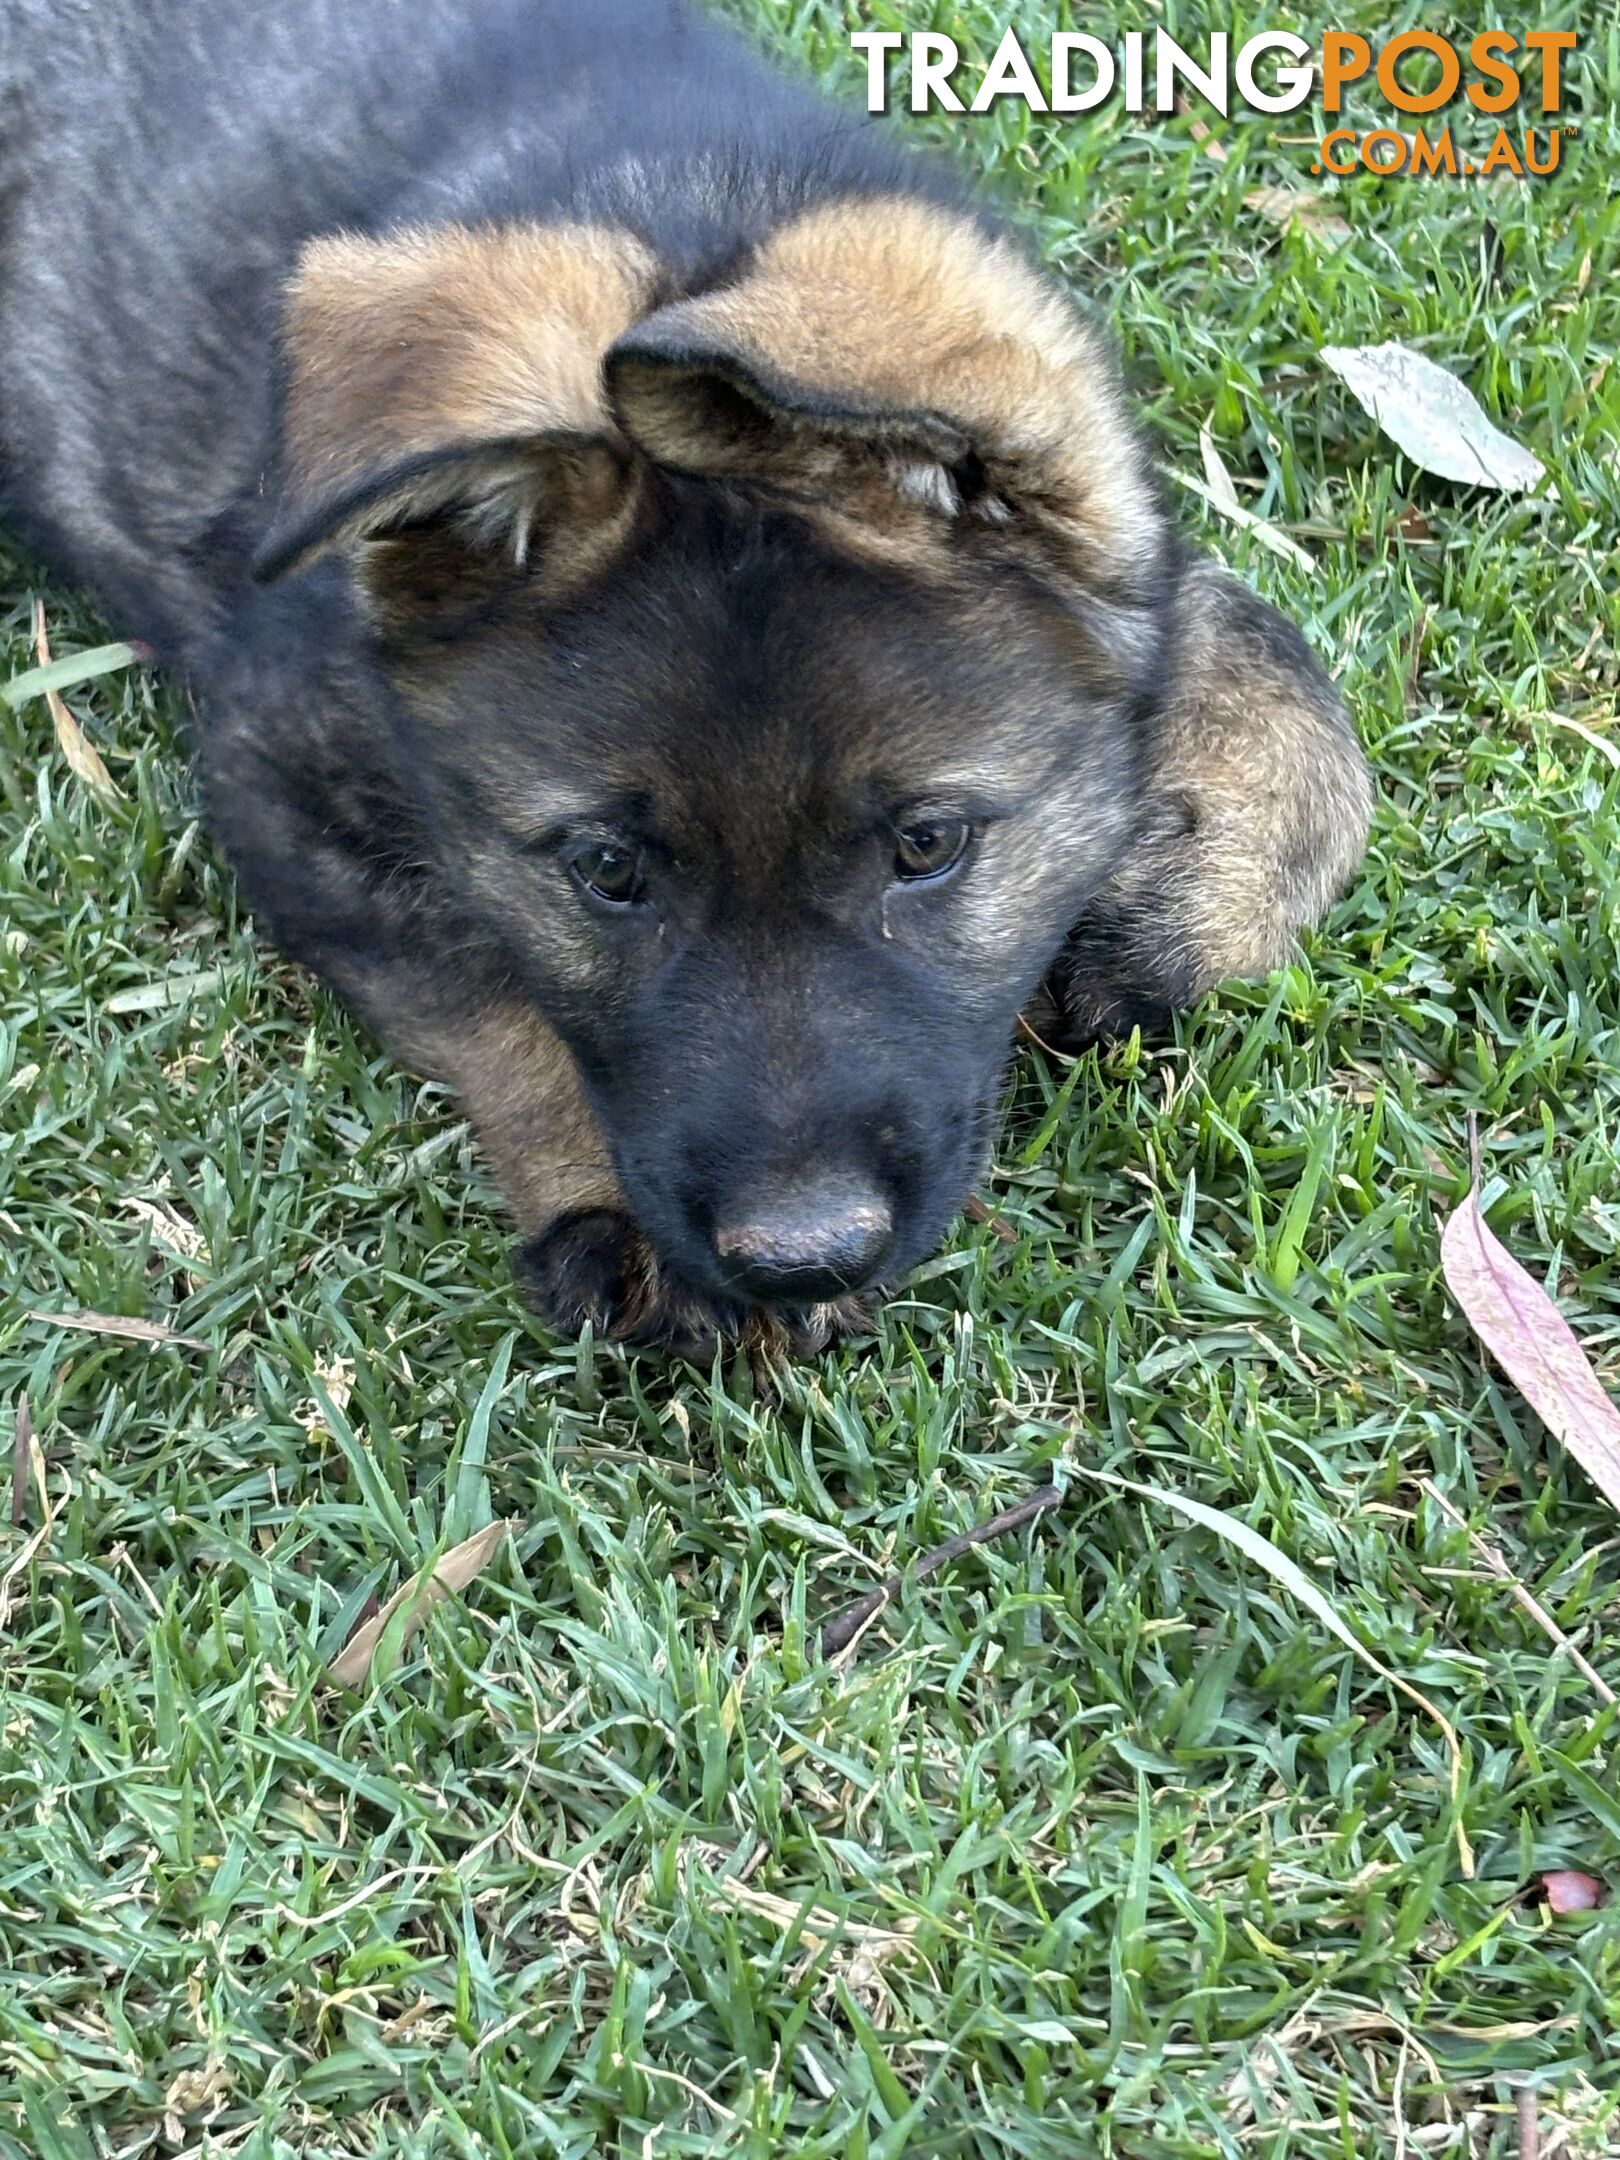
(804, 1242)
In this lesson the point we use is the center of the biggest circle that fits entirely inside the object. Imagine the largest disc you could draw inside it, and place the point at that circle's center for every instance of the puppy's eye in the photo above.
(611, 874)
(929, 848)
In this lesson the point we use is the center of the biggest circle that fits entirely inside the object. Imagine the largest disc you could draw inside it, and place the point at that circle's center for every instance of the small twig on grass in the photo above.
(1259, 1548)
(22, 1442)
(26, 1461)
(1529, 2124)
(843, 1627)
(980, 1211)
(1027, 1034)
(1532, 1604)
(131, 1330)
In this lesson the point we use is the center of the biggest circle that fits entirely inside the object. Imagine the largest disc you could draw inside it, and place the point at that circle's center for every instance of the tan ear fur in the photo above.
(898, 339)
(452, 367)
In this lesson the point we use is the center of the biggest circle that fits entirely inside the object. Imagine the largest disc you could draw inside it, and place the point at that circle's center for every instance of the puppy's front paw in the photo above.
(801, 1331)
(596, 1266)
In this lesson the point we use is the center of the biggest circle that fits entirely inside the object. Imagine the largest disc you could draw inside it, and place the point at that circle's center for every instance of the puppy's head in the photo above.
(771, 664)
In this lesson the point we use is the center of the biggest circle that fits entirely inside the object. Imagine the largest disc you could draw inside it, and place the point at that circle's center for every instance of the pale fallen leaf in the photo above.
(1532, 1342)
(1221, 491)
(100, 1323)
(1432, 416)
(336, 1376)
(166, 991)
(1297, 206)
(169, 1229)
(1600, 743)
(858, 1951)
(82, 756)
(1267, 534)
(417, 1597)
(1568, 1890)
(195, 2093)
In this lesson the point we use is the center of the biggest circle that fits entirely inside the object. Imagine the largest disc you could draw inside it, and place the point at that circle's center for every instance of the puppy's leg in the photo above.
(301, 815)
(1255, 816)
(581, 1256)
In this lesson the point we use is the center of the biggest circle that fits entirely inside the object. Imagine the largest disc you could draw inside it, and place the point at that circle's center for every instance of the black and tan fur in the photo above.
(539, 433)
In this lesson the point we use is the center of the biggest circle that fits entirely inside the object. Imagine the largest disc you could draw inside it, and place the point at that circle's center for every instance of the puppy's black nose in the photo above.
(797, 1244)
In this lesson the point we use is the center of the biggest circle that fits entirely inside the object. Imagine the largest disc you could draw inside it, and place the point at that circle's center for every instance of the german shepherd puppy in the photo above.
(685, 635)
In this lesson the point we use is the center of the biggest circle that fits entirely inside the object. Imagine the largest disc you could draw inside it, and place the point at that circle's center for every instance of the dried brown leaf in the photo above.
(101, 1323)
(81, 753)
(1297, 206)
(21, 1440)
(980, 1211)
(422, 1591)
(1532, 1342)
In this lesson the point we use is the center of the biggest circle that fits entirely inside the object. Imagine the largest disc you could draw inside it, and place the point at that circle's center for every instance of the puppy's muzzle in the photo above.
(800, 1243)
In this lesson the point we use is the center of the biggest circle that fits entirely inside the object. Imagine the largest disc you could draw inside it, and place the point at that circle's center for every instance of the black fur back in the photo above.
(162, 163)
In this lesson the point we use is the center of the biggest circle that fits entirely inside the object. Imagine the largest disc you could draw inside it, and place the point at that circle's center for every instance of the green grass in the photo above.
(1100, 1841)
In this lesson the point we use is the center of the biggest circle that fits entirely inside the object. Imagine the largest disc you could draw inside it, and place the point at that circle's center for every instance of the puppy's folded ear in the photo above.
(444, 406)
(909, 371)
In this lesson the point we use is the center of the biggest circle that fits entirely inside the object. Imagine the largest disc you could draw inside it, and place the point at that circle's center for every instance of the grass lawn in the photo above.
(1099, 1841)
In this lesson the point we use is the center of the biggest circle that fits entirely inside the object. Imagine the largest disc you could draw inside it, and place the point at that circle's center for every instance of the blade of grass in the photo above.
(1260, 1549)
(63, 674)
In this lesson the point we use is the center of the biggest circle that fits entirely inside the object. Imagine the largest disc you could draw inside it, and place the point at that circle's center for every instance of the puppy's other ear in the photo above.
(444, 413)
(908, 370)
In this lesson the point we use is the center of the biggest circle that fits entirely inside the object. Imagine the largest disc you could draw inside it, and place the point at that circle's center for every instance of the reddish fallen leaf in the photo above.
(1532, 1342)
(1413, 526)
(1568, 1890)
(1528, 2110)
